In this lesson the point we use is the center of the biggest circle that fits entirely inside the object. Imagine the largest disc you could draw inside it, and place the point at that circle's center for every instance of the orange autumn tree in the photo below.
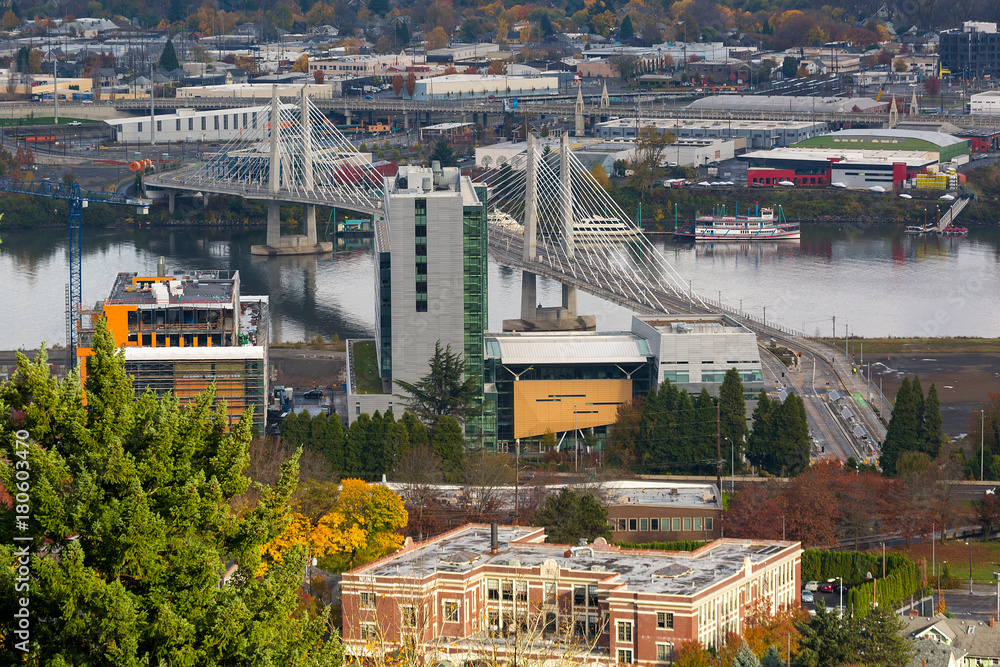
(359, 527)
(765, 628)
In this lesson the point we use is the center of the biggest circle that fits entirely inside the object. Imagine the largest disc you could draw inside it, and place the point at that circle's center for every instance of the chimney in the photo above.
(494, 541)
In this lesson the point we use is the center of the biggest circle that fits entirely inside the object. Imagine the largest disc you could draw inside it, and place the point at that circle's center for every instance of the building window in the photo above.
(159, 126)
(625, 632)
(708, 523)
(522, 591)
(687, 523)
(450, 611)
(225, 123)
(592, 595)
(664, 653)
(236, 118)
(697, 523)
(139, 127)
(633, 524)
(664, 620)
(369, 631)
(622, 524)
(643, 524)
(625, 656)
(178, 125)
(492, 589)
(579, 596)
(654, 524)
(190, 124)
(367, 600)
(507, 587)
(203, 122)
(409, 616)
(215, 120)
(676, 525)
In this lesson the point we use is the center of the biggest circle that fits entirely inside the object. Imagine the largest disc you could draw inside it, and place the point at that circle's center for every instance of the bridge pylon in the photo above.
(535, 317)
(279, 166)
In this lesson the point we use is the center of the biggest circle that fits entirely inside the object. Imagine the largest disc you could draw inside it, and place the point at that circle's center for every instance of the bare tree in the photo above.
(485, 492)
(420, 473)
(626, 64)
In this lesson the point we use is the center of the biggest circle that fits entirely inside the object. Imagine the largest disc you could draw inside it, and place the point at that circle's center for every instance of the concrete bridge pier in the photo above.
(170, 200)
(406, 121)
(347, 116)
(529, 296)
(569, 300)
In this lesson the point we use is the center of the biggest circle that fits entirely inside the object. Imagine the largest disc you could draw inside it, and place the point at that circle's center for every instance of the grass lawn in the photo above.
(956, 552)
(924, 345)
(63, 120)
(366, 377)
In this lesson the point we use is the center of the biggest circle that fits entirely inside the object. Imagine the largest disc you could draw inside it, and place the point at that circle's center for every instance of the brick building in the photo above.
(643, 512)
(469, 594)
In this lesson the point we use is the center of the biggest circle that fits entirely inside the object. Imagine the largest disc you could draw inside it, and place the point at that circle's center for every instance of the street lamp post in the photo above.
(840, 587)
(982, 444)
(576, 441)
(969, 542)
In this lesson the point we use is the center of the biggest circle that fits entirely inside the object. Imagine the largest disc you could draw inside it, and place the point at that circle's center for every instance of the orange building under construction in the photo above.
(182, 333)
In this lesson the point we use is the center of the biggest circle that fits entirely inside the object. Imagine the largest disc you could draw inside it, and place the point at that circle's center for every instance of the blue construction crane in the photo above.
(78, 199)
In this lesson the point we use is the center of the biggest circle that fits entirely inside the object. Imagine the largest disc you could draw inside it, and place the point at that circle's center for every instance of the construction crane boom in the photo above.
(78, 199)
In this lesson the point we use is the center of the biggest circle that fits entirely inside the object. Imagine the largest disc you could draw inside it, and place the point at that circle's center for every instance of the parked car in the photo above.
(74, 123)
(313, 393)
(828, 587)
(811, 586)
(807, 596)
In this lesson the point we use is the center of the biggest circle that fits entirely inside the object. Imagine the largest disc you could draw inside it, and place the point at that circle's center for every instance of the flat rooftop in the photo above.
(625, 492)
(700, 124)
(656, 572)
(584, 347)
(197, 288)
(844, 156)
(699, 324)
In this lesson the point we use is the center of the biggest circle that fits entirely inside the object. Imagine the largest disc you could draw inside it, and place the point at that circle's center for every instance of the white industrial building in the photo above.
(985, 103)
(190, 125)
(468, 86)
(695, 351)
(756, 133)
(254, 91)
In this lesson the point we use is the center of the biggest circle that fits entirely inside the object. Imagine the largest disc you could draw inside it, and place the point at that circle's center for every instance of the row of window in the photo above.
(667, 525)
(664, 653)
(204, 122)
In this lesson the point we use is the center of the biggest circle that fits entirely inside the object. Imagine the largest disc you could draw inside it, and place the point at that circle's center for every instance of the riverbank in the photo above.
(897, 346)
(818, 206)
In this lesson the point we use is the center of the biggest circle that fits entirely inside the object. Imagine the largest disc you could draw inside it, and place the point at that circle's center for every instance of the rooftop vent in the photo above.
(672, 571)
(461, 557)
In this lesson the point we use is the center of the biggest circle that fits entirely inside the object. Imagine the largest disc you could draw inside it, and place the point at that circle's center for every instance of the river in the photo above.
(876, 280)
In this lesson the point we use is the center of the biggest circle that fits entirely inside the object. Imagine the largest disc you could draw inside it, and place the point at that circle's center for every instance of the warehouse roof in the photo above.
(555, 348)
(936, 138)
(843, 156)
(785, 103)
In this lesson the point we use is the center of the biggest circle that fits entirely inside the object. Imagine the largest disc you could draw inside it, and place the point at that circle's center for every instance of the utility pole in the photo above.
(718, 446)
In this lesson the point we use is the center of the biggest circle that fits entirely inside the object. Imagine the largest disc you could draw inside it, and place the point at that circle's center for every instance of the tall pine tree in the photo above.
(901, 435)
(137, 496)
(733, 416)
(933, 435)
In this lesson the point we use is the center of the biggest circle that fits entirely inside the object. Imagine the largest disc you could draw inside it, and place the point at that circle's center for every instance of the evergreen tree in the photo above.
(626, 31)
(449, 444)
(333, 446)
(789, 66)
(168, 59)
(444, 154)
(880, 639)
(733, 416)
(546, 25)
(918, 396)
(706, 425)
(355, 445)
(825, 640)
(772, 658)
(416, 433)
(569, 516)
(136, 496)
(758, 444)
(745, 657)
(933, 436)
(395, 443)
(443, 391)
(402, 33)
(901, 434)
(378, 7)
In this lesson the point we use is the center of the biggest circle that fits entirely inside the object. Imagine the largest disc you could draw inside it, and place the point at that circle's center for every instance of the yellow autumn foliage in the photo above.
(361, 526)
